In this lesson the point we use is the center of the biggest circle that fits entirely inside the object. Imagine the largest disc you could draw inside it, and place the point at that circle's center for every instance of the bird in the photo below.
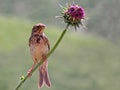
(39, 48)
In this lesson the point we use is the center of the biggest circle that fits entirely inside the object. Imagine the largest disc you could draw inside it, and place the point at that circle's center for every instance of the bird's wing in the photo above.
(47, 41)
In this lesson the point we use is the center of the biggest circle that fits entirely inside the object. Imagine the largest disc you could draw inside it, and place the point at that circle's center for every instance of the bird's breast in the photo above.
(39, 49)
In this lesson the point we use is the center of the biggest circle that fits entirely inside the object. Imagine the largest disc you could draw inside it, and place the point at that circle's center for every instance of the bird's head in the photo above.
(38, 28)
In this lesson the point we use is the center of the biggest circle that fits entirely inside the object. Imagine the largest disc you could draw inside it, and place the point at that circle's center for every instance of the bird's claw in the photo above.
(29, 73)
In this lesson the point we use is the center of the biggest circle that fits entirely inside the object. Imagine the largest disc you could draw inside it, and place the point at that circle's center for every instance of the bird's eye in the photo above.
(38, 26)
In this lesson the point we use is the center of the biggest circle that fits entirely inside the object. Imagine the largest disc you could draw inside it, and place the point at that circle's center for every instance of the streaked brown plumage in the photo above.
(39, 48)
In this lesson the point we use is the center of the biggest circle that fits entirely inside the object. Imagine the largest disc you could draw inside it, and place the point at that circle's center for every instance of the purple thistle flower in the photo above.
(73, 15)
(72, 8)
(76, 12)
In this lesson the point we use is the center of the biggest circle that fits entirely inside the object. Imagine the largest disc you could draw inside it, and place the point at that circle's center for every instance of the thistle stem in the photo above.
(58, 41)
(52, 50)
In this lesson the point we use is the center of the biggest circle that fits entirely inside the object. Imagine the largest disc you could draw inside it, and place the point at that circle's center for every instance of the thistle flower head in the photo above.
(76, 12)
(73, 15)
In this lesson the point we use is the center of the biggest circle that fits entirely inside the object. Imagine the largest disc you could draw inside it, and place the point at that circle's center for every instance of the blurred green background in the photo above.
(85, 60)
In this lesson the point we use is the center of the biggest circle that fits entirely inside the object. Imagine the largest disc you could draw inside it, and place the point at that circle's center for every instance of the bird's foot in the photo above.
(29, 73)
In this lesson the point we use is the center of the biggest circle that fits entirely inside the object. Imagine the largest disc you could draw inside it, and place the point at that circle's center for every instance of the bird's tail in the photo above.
(43, 75)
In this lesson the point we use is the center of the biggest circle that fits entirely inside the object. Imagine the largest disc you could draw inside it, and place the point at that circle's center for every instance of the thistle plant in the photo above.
(72, 16)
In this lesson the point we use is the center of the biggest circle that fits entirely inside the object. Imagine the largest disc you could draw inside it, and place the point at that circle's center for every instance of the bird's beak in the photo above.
(43, 27)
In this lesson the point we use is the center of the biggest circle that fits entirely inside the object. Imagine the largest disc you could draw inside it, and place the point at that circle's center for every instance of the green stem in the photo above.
(52, 50)
(58, 41)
